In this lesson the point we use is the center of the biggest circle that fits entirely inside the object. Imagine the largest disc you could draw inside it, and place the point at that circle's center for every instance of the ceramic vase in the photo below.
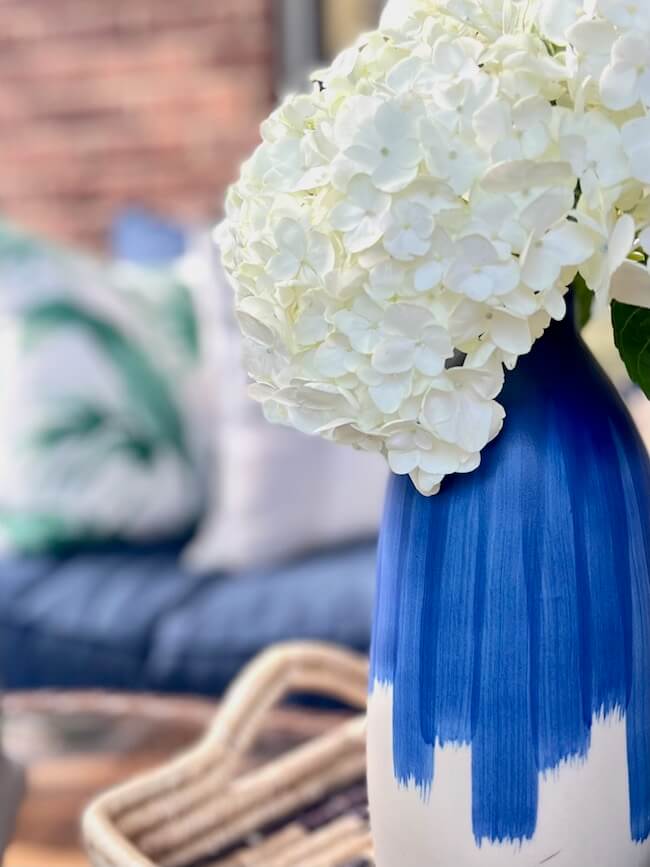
(509, 710)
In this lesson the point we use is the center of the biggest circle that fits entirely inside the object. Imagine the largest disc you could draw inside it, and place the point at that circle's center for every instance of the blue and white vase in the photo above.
(509, 714)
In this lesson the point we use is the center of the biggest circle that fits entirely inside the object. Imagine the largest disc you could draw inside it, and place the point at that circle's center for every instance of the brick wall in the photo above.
(108, 102)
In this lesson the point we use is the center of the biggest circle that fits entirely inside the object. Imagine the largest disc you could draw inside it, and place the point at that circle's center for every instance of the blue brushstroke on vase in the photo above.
(513, 609)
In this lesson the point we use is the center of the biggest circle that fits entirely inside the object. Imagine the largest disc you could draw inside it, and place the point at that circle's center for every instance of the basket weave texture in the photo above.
(215, 806)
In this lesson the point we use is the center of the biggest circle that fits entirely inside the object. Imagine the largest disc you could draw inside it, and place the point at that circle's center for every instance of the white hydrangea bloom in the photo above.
(608, 47)
(605, 134)
(410, 228)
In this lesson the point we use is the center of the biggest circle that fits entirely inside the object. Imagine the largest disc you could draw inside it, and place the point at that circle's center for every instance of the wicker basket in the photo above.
(213, 806)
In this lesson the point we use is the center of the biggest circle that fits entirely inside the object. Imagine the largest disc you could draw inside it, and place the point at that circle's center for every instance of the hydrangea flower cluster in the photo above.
(605, 46)
(408, 229)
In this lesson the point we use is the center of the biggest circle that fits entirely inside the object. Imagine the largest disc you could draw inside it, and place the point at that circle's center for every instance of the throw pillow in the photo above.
(98, 399)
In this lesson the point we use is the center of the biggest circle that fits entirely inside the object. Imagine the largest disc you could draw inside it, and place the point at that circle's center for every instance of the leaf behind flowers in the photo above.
(632, 338)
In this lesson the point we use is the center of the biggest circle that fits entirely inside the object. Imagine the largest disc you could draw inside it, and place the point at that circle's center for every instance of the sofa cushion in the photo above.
(132, 619)
(212, 633)
(84, 620)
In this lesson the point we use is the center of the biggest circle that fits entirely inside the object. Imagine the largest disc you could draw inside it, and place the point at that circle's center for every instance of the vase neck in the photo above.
(561, 371)
(559, 349)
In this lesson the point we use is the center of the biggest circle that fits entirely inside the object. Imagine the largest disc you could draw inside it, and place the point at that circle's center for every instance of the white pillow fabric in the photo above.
(275, 492)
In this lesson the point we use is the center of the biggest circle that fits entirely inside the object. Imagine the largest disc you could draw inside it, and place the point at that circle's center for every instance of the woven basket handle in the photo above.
(284, 670)
(178, 813)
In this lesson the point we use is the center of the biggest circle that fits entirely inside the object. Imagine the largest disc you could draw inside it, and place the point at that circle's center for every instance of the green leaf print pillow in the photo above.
(99, 400)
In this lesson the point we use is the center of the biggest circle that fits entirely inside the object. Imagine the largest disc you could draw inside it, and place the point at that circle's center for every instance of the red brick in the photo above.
(200, 46)
(33, 19)
(113, 101)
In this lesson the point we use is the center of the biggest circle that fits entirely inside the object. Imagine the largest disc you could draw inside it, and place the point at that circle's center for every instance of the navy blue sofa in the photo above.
(133, 620)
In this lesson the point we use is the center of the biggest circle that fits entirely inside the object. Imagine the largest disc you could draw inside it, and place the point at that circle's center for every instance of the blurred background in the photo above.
(155, 531)
(151, 102)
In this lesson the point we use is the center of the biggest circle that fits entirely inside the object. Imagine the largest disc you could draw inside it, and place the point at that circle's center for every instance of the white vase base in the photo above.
(583, 820)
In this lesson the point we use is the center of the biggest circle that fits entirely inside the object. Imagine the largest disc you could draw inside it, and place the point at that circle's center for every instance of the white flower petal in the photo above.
(621, 241)
(346, 216)
(547, 209)
(428, 276)
(321, 254)
(440, 461)
(290, 238)
(511, 333)
(283, 266)
(388, 396)
(429, 361)
(636, 142)
(631, 284)
(394, 355)
(516, 175)
(403, 463)
(459, 418)
(618, 86)
(392, 176)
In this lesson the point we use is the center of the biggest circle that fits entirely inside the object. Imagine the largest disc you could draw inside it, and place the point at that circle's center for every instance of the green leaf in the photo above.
(34, 533)
(145, 387)
(140, 449)
(107, 431)
(583, 299)
(179, 311)
(80, 421)
(632, 338)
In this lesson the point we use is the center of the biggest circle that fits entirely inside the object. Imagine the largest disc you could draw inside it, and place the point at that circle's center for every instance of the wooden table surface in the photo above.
(72, 752)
